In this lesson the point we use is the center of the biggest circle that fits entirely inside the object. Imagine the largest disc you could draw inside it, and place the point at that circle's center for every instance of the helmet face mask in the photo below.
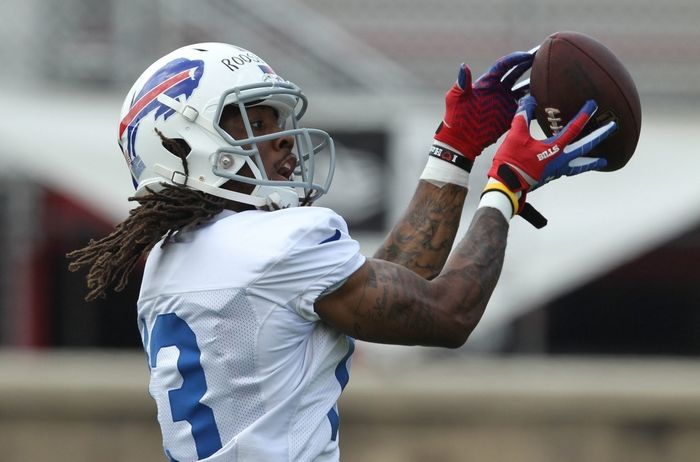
(183, 96)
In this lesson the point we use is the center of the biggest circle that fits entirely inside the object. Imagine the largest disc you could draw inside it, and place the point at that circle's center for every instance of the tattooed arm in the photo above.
(411, 292)
(386, 303)
(423, 237)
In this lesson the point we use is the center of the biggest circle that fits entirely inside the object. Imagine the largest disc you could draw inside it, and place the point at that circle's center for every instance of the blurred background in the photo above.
(589, 347)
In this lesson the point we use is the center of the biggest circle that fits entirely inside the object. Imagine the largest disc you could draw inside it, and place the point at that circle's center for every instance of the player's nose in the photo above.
(283, 143)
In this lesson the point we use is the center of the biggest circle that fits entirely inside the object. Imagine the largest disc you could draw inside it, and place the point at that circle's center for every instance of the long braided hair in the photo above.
(159, 214)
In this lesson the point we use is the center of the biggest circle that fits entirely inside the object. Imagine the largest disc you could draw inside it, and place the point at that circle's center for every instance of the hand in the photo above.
(476, 116)
(523, 163)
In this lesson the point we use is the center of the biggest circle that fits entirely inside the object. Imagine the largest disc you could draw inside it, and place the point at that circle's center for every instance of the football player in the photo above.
(250, 302)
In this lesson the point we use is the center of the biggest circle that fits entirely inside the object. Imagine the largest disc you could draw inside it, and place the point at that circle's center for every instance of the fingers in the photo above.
(575, 126)
(510, 78)
(520, 63)
(464, 77)
(590, 141)
(521, 89)
(585, 164)
(519, 60)
(526, 108)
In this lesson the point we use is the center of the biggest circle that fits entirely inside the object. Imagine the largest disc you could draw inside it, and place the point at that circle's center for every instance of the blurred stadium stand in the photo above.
(375, 72)
(346, 47)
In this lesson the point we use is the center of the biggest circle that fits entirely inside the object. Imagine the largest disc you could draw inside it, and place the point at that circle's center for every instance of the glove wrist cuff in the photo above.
(447, 153)
(497, 195)
(440, 173)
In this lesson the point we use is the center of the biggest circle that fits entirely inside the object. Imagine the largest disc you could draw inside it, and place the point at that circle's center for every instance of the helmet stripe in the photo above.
(146, 99)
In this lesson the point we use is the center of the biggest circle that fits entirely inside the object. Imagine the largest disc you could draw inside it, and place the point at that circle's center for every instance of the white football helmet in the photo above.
(182, 95)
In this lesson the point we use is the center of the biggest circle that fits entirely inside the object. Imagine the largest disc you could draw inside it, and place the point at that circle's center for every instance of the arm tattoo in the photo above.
(422, 239)
(387, 304)
(392, 299)
(398, 300)
(477, 262)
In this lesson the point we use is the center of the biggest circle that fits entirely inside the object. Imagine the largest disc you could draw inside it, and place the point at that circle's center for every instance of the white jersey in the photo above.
(242, 368)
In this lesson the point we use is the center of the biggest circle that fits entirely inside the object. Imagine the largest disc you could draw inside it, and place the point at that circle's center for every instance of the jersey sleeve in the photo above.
(320, 257)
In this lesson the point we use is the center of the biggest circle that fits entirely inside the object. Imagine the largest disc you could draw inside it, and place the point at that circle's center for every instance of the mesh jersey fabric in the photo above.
(242, 368)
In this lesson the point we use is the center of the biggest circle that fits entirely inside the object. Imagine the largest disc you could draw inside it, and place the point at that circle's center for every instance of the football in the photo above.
(570, 68)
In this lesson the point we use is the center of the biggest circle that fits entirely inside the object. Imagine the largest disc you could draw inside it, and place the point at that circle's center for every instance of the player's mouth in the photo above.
(285, 168)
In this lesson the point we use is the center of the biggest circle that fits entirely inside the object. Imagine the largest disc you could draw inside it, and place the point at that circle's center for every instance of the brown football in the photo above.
(571, 68)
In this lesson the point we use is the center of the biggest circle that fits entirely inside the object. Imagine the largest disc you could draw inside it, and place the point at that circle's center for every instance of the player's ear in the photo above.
(177, 147)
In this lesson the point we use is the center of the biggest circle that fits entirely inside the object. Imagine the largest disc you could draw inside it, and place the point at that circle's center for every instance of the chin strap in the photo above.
(268, 198)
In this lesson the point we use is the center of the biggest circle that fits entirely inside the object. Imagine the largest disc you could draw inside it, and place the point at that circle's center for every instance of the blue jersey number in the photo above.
(171, 330)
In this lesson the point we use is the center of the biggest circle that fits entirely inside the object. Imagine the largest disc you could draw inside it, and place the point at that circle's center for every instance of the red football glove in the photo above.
(476, 116)
(523, 163)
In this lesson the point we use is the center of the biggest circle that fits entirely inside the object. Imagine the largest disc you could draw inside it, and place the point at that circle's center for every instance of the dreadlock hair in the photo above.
(159, 214)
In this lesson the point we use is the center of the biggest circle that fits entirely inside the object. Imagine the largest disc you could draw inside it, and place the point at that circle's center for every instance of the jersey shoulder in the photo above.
(293, 226)
(310, 253)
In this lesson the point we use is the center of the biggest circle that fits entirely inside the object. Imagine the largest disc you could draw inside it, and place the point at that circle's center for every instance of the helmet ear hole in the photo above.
(176, 146)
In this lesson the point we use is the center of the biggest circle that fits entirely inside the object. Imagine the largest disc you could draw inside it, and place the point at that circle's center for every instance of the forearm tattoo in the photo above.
(392, 299)
(477, 261)
(422, 239)
(398, 300)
